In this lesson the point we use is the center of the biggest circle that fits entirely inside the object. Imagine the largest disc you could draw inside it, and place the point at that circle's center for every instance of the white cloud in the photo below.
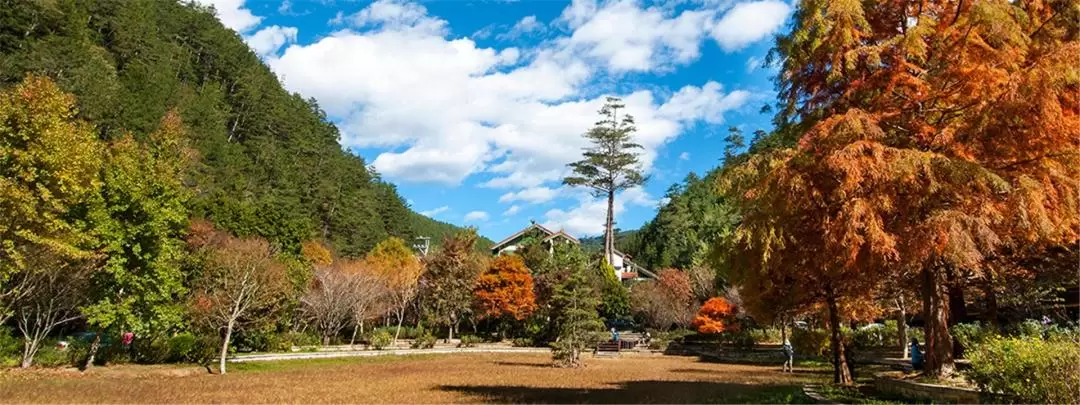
(629, 38)
(588, 217)
(533, 195)
(233, 14)
(476, 216)
(747, 23)
(753, 63)
(398, 15)
(444, 108)
(523, 27)
(513, 210)
(684, 156)
(433, 212)
(708, 103)
(269, 40)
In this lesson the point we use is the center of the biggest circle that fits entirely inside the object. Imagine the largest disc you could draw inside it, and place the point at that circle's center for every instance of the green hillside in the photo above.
(270, 161)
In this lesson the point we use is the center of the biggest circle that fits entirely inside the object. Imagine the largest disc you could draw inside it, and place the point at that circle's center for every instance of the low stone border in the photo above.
(371, 353)
(811, 390)
(933, 392)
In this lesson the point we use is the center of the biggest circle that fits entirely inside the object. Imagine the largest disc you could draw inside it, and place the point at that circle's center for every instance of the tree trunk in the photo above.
(991, 303)
(352, 341)
(400, 319)
(841, 372)
(609, 229)
(30, 348)
(901, 326)
(93, 351)
(939, 352)
(225, 348)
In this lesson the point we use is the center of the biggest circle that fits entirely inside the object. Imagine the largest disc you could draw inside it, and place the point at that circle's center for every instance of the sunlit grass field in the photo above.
(424, 379)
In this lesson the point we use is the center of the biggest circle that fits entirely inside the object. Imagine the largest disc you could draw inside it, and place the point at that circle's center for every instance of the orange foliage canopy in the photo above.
(316, 253)
(505, 289)
(931, 136)
(716, 316)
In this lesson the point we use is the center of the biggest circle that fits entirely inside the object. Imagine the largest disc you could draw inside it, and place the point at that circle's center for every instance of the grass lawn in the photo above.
(497, 377)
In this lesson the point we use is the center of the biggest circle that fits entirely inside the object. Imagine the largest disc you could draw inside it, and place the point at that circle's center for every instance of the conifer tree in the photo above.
(576, 317)
(610, 165)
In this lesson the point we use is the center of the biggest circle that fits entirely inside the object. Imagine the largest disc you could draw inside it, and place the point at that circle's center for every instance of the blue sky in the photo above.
(474, 108)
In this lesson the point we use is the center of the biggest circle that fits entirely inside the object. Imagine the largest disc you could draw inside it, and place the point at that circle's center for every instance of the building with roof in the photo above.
(625, 269)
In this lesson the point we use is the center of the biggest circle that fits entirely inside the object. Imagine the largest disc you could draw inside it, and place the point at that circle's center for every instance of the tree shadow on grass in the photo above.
(639, 392)
(523, 364)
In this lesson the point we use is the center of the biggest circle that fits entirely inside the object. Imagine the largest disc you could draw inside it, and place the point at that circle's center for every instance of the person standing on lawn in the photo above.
(789, 356)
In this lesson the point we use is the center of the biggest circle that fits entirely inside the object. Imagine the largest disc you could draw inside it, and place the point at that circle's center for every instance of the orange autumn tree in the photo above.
(932, 137)
(716, 316)
(505, 290)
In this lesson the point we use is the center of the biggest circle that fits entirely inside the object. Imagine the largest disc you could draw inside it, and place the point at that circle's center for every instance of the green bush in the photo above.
(286, 341)
(151, 350)
(424, 341)
(810, 342)
(49, 356)
(10, 348)
(1059, 333)
(871, 337)
(182, 347)
(521, 342)
(407, 332)
(970, 335)
(1028, 370)
(742, 339)
(765, 336)
(1027, 329)
(380, 339)
(469, 341)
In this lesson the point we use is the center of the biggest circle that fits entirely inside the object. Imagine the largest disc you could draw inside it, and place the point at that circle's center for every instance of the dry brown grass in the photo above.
(429, 379)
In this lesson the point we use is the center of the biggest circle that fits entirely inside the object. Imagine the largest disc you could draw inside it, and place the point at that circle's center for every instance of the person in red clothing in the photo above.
(126, 339)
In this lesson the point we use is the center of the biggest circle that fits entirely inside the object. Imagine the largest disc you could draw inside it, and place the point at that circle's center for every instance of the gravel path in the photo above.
(395, 352)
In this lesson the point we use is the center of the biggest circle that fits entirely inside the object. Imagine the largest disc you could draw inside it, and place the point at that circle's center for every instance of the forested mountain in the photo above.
(686, 227)
(439, 231)
(624, 241)
(270, 163)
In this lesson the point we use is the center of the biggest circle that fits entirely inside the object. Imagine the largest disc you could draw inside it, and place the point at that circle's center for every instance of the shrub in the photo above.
(870, 337)
(380, 339)
(741, 339)
(10, 347)
(810, 342)
(1028, 370)
(287, 340)
(182, 347)
(1028, 329)
(48, 356)
(469, 341)
(150, 350)
(970, 335)
(522, 342)
(425, 341)
(765, 336)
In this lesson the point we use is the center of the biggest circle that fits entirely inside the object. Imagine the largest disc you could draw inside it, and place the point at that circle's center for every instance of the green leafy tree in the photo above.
(611, 164)
(139, 227)
(49, 164)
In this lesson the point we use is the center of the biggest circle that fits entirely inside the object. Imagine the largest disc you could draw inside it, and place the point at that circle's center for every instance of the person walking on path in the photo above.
(789, 356)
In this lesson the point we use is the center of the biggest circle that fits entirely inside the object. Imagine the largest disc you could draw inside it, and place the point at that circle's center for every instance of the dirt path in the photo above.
(473, 377)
